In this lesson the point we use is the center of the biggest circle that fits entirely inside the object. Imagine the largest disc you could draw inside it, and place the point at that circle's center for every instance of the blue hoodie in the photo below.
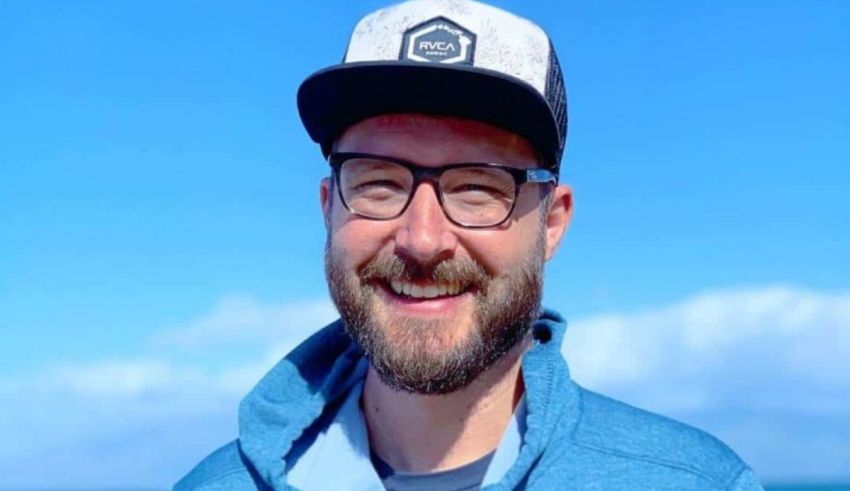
(572, 438)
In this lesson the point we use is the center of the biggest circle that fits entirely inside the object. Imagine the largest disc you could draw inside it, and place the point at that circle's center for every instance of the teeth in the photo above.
(430, 291)
(453, 288)
(416, 291)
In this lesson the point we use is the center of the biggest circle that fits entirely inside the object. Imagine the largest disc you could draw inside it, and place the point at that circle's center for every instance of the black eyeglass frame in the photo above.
(433, 174)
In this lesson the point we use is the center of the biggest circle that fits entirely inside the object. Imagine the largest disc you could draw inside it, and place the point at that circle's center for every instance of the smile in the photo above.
(414, 290)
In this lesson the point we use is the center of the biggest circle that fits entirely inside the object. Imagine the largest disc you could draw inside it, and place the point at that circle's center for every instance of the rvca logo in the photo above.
(438, 40)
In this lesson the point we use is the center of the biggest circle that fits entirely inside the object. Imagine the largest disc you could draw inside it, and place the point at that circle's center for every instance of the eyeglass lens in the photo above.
(473, 196)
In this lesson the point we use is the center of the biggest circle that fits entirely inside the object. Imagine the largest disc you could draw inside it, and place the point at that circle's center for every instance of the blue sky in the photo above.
(160, 235)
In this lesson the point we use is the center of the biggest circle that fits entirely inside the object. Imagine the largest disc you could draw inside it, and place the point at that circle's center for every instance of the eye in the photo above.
(475, 184)
(379, 183)
(472, 187)
(477, 191)
(372, 177)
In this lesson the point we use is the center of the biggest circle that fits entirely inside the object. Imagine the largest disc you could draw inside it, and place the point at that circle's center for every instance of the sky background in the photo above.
(161, 239)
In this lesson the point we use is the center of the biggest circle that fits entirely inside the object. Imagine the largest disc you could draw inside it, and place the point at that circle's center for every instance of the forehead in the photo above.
(436, 140)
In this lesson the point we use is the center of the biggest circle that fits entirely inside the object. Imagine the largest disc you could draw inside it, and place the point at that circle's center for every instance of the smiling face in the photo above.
(434, 304)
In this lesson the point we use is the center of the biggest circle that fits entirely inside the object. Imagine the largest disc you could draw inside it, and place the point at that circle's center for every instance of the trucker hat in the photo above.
(451, 57)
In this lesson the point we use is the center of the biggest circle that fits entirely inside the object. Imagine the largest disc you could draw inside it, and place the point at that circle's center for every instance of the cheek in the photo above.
(501, 252)
(497, 251)
(358, 241)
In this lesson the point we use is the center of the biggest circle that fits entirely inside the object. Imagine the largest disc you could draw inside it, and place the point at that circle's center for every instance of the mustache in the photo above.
(390, 267)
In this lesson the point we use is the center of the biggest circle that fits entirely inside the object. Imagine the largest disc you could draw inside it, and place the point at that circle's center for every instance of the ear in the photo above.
(558, 218)
(326, 198)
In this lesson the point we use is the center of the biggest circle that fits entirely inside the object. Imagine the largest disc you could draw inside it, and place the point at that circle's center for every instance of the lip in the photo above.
(422, 306)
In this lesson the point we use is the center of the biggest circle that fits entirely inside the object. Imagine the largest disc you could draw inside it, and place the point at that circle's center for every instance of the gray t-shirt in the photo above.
(464, 478)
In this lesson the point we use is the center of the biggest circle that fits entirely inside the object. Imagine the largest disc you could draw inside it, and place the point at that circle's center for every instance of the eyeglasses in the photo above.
(472, 195)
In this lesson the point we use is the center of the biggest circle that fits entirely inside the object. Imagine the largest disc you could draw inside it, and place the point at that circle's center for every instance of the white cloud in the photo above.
(755, 366)
(720, 341)
(123, 377)
(246, 319)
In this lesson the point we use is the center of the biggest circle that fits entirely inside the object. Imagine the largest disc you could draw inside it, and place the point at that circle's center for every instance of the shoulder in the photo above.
(223, 470)
(621, 432)
(607, 444)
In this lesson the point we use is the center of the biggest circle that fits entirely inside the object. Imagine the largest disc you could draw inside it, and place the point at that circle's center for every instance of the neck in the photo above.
(428, 433)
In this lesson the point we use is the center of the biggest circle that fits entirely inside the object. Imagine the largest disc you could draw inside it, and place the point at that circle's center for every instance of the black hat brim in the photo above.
(334, 98)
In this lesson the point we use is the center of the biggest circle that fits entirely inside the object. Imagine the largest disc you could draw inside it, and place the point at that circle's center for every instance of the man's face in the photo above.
(383, 275)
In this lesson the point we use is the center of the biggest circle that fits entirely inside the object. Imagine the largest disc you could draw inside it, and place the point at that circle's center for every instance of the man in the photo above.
(444, 128)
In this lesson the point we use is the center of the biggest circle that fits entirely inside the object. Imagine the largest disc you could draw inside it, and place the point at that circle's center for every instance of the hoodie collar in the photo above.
(290, 397)
(319, 372)
(551, 397)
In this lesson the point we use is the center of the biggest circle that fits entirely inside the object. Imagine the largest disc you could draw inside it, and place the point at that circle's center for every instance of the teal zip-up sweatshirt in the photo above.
(574, 438)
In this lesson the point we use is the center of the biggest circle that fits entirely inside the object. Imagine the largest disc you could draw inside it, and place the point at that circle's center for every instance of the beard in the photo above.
(434, 355)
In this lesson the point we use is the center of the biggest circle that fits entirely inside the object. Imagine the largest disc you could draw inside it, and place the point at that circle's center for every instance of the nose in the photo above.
(425, 234)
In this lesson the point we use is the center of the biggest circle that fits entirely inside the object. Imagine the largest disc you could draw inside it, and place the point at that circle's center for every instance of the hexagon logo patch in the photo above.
(438, 40)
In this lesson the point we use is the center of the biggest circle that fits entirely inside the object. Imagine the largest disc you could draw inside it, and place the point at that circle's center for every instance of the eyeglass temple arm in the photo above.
(540, 176)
